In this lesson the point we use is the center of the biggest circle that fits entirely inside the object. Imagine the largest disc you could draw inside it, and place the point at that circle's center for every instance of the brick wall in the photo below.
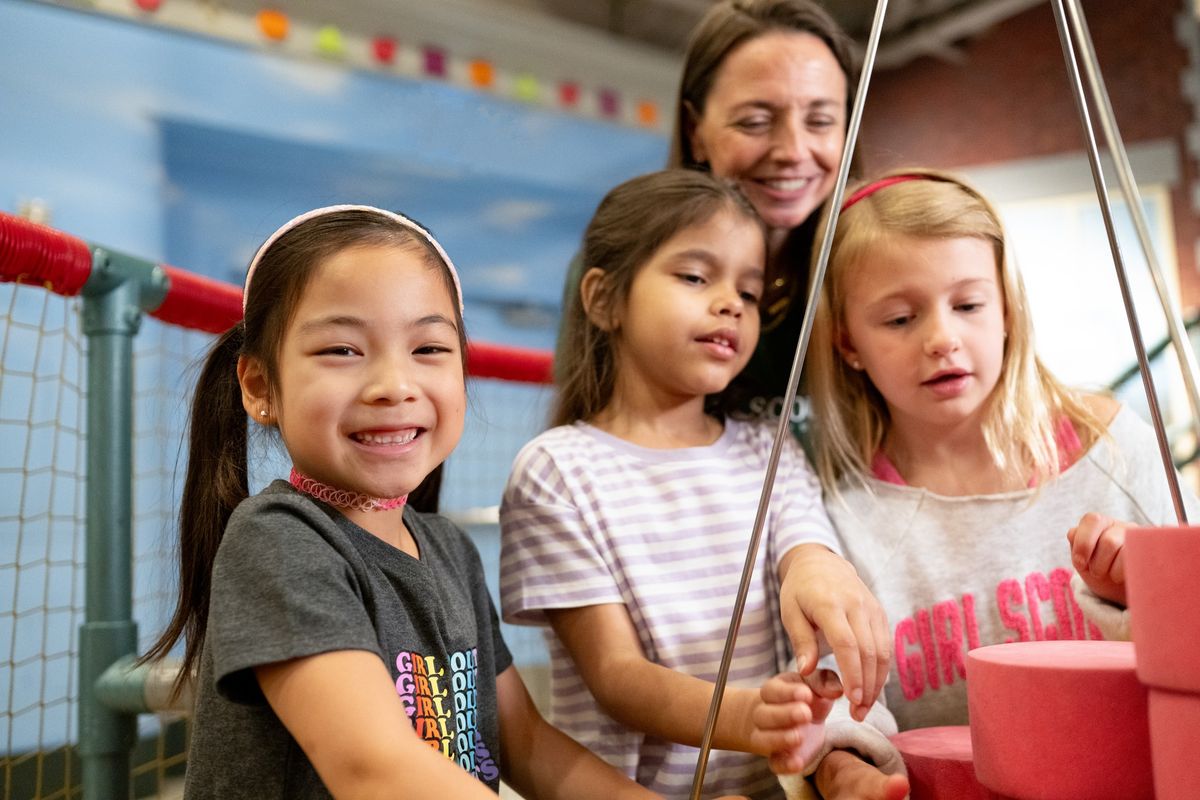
(1010, 99)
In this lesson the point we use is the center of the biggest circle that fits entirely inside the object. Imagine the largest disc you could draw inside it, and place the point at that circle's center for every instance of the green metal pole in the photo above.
(113, 299)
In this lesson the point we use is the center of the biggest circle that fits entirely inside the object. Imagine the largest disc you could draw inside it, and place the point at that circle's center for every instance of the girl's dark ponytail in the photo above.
(215, 483)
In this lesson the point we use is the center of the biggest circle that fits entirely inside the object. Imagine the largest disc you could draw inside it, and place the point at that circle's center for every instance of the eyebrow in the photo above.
(338, 321)
(347, 321)
(699, 254)
(819, 103)
(436, 319)
(961, 284)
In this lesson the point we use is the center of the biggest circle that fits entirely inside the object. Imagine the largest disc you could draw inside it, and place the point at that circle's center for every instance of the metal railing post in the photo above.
(114, 297)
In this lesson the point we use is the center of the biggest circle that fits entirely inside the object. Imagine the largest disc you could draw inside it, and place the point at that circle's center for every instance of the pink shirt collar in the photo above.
(1065, 438)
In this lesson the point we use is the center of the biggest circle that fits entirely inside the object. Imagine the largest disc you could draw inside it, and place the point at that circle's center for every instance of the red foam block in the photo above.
(939, 764)
(1059, 721)
(1164, 606)
(1174, 720)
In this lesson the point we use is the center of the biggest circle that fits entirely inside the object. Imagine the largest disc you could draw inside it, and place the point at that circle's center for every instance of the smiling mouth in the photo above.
(788, 184)
(727, 342)
(400, 437)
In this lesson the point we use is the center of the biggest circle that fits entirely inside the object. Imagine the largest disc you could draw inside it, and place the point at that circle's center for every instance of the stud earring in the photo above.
(262, 412)
(856, 365)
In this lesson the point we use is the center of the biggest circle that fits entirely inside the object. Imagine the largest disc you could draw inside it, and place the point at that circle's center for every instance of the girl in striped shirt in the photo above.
(624, 528)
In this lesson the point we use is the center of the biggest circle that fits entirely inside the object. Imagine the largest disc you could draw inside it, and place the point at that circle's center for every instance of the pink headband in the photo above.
(318, 212)
(873, 187)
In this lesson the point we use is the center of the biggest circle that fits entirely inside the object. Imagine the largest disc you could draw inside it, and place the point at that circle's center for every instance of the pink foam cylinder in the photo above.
(1161, 565)
(1059, 721)
(939, 764)
(1174, 720)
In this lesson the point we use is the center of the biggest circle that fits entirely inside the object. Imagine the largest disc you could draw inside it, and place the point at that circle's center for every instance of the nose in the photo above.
(941, 338)
(728, 302)
(389, 381)
(789, 139)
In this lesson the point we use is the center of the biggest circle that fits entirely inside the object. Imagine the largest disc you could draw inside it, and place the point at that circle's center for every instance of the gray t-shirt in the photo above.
(292, 578)
(955, 573)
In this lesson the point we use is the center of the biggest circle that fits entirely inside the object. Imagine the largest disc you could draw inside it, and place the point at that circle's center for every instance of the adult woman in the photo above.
(764, 100)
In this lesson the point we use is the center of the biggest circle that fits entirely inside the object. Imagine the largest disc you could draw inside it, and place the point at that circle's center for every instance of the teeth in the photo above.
(390, 438)
(790, 185)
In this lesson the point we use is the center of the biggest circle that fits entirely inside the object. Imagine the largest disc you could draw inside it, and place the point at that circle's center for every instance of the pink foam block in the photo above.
(939, 764)
(1161, 565)
(1059, 721)
(1174, 720)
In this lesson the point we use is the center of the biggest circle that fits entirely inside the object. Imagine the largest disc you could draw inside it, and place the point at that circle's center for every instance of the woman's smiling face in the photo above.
(775, 121)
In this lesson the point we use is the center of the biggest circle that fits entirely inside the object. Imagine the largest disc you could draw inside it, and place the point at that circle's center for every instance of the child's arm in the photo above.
(538, 760)
(1097, 552)
(821, 591)
(664, 703)
(343, 710)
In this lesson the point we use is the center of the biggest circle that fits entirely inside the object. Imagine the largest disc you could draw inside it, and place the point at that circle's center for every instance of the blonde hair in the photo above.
(1026, 405)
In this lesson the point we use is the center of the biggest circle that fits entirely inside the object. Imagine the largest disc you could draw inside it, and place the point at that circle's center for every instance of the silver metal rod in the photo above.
(782, 430)
(1064, 35)
(1116, 149)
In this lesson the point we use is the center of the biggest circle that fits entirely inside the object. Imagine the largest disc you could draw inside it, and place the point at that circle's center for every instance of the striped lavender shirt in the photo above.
(588, 518)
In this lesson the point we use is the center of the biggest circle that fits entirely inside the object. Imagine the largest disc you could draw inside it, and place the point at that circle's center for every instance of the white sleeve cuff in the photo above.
(868, 738)
(1110, 618)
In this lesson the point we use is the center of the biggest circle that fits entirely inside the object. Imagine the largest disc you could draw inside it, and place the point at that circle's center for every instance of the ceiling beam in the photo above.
(937, 36)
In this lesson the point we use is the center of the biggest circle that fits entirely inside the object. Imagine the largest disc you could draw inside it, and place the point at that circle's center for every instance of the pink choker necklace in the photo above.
(343, 498)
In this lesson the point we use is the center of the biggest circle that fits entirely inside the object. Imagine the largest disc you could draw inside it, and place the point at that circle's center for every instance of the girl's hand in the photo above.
(1097, 552)
(789, 721)
(844, 775)
(822, 592)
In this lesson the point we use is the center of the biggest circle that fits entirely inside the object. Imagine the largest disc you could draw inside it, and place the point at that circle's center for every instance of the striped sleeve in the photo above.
(549, 557)
(798, 511)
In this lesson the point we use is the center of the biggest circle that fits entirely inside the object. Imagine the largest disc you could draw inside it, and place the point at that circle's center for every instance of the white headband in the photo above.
(317, 212)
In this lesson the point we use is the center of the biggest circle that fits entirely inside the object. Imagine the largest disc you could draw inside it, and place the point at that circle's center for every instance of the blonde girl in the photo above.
(953, 460)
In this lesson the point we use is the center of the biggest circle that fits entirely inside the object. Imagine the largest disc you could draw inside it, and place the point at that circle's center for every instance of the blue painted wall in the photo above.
(149, 141)
(190, 151)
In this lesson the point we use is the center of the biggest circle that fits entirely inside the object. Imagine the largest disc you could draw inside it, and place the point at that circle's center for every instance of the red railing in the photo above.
(61, 263)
